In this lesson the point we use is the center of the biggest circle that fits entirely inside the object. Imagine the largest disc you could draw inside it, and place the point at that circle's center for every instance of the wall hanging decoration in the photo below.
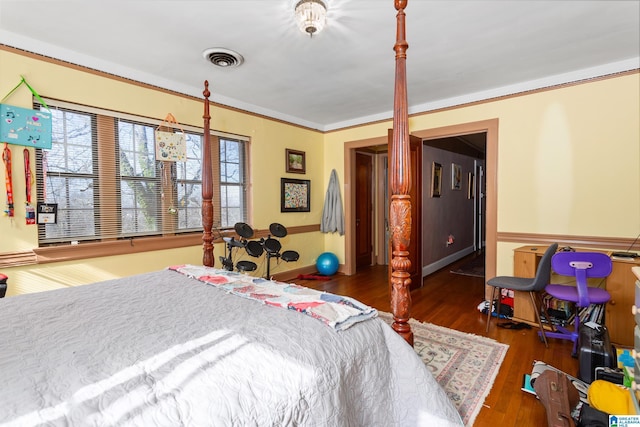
(23, 126)
(456, 177)
(47, 213)
(295, 160)
(436, 179)
(295, 195)
(170, 146)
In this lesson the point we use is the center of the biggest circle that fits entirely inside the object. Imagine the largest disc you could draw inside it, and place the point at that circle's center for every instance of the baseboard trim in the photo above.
(441, 263)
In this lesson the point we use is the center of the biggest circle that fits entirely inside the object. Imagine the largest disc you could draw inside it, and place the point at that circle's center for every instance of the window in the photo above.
(140, 188)
(102, 173)
(232, 182)
(72, 176)
(189, 185)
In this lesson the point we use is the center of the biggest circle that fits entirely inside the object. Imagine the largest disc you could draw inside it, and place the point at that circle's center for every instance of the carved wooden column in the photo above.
(400, 184)
(207, 185)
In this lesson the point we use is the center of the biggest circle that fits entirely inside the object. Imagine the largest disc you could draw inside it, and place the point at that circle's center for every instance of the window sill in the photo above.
(62, 253)
(116, 247)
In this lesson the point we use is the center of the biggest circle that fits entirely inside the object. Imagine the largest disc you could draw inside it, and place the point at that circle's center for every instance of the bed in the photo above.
(192, 345)
(169, 349)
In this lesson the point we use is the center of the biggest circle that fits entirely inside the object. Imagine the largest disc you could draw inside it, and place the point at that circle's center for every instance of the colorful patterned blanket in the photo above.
(338, 312)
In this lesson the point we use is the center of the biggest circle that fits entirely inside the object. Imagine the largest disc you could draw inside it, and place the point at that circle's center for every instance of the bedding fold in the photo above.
(336, 311)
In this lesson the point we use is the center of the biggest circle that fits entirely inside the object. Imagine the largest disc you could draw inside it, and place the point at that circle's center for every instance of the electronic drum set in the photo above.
(255, 248)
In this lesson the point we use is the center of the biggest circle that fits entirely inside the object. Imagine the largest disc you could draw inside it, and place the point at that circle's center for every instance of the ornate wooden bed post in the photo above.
(400, 184)
(207, 185)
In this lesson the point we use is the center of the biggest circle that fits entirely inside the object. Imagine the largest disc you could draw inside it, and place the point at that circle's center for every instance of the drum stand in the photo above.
(272, 247)
(227, 259)
(255, 248)
(245, 232)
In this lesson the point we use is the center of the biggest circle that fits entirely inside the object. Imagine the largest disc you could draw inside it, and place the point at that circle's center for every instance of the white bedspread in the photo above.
(161, 349)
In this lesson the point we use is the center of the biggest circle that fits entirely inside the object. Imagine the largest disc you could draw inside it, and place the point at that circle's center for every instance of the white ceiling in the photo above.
(459, 51)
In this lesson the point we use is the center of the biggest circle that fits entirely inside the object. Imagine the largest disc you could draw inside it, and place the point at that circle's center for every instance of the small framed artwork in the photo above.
(436, 179)
(456, 177)
(295, 195)
(295, 161)
(471, 193)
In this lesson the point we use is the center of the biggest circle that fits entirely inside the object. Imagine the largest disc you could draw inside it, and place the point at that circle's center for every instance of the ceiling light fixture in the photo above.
(311, 15)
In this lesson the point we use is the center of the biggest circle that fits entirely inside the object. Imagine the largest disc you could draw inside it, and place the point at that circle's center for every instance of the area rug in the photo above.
(474, 268)
(464, 365)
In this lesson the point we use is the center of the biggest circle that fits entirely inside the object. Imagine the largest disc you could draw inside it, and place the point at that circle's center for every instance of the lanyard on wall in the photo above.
(29, 209)
(6, 158)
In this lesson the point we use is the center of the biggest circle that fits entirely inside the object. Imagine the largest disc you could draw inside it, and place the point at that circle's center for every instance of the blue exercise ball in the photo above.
(327, 264)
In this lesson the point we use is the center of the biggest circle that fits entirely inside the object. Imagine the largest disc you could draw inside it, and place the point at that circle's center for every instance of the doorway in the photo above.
(460, 212)
(489, 127)
(364, 209)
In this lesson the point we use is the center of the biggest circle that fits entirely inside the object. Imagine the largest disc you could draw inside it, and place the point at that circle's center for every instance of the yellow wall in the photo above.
(269, 139)
(568, 159)
(568, 164)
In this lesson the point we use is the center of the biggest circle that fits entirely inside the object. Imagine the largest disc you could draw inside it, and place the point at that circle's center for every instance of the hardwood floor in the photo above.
(451, 300)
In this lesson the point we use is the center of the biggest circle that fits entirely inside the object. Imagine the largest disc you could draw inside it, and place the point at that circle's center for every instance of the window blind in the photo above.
(103, 175)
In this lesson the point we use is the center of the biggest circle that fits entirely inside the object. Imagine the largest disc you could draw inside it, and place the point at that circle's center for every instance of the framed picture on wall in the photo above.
(295, 195)
(471, 193)
(456, 177)
(296, 162)
(436, 179)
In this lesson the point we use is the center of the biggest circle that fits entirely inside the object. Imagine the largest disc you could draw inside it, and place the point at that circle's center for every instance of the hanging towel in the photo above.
(332, 215)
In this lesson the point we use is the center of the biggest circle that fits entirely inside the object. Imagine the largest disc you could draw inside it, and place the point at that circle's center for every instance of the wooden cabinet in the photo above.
(620, 284)
(525, 264)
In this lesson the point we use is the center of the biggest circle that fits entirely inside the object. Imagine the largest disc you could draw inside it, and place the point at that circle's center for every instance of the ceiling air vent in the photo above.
(221, 57)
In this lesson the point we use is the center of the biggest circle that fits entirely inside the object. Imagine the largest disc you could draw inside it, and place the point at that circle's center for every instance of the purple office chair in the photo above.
(580, 265)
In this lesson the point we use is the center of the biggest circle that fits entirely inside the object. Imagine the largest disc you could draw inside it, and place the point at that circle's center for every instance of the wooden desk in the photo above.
(620, 284)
